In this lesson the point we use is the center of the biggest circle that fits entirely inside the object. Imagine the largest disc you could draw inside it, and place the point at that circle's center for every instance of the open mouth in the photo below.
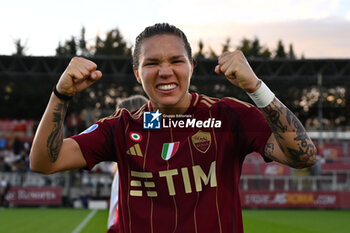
(166, 87)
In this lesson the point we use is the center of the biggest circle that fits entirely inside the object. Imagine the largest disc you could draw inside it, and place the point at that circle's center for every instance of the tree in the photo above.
(226, 46)
(212, 53)
(114, 44)
(291, 54)
(255, 48)
(245, 47)
(69, 47)
(200, 53)
(60, 50)
(72, 46)
(82, 43)
(280, 53)
(20, 48)
(265, 53)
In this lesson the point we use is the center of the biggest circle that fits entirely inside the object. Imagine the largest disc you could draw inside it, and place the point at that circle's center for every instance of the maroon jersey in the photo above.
(183, 177)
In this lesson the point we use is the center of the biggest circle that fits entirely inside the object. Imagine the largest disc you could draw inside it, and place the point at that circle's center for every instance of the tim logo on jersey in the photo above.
(151, 120)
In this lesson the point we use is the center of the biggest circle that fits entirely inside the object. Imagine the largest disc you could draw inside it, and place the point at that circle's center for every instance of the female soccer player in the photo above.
(180, 156)
(131, 103)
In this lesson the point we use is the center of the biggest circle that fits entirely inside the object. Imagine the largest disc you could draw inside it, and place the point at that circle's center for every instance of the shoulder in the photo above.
(228, 102)
(124, 114)
(207, 101)
(229, 108)
(135, 115)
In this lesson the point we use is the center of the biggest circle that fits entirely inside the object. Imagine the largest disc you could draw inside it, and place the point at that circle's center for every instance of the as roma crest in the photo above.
(201, 141)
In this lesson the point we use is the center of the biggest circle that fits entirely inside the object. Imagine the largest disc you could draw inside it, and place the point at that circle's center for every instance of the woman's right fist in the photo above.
(79, 74)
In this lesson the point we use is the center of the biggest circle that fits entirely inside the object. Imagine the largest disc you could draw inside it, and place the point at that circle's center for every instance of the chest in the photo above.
(155, 150)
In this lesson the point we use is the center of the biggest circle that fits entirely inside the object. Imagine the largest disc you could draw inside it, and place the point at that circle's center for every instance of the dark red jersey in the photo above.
(183, 177)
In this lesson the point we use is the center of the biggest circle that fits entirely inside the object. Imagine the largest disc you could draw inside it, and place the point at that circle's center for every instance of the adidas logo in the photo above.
(135, 150)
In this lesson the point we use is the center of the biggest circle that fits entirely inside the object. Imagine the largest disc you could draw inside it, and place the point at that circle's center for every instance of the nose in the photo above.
(165, 71)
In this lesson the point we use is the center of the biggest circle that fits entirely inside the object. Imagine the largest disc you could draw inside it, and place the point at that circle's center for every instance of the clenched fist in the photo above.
(235, 67)
(79, 74)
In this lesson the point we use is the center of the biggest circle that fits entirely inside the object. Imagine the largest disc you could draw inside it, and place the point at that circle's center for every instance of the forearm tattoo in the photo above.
(269, 149)
(55, 139)
(285, 125)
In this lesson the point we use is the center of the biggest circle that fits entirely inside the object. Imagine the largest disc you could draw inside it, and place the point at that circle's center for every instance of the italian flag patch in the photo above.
(169, 149)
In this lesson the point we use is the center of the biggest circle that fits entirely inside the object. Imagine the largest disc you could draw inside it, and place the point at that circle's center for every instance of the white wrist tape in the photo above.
(263, 96)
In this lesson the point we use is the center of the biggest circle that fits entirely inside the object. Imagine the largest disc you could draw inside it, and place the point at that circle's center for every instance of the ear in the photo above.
(136, 73)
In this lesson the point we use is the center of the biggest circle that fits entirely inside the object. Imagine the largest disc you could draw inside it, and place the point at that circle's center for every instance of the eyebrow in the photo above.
(171, 58)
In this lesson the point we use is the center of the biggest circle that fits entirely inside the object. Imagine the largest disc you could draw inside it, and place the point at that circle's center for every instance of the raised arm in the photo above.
(289, 143)
(50, 152)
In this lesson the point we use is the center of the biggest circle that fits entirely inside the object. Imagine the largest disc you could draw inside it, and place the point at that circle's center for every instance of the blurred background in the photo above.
(300, 49)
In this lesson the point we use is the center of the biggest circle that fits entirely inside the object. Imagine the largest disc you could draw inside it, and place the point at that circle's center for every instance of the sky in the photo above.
(316, 28)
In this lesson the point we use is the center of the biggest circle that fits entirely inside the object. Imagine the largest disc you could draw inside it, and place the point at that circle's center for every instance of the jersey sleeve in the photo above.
(257, 131)
(252, 127)
(97, 143)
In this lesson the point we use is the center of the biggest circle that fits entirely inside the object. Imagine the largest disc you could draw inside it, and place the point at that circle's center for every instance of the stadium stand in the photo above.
(332, 173)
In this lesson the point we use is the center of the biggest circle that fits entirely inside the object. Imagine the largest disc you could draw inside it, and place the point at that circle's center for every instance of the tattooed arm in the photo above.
(50, 152)
(289, 143)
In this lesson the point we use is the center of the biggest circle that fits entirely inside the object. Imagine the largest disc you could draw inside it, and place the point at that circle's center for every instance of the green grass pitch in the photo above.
(51, 220)
(296, 221)
(59, 220)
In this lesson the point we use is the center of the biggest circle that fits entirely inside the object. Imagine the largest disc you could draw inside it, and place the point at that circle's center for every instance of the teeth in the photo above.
(166, 87)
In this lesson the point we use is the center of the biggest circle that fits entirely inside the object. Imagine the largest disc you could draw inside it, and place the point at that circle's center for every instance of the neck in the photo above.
(178, 108)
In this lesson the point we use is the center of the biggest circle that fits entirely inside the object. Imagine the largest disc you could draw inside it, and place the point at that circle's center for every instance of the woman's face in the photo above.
(164, 72)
